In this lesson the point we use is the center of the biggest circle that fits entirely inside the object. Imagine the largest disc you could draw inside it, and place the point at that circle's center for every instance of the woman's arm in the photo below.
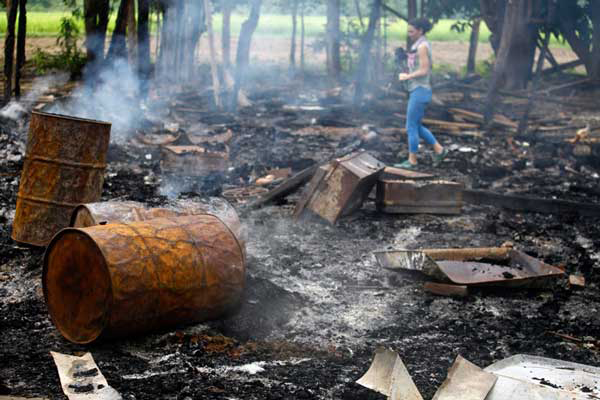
(423, 65)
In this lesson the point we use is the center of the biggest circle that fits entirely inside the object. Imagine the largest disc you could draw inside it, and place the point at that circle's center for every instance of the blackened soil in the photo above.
(317, 304)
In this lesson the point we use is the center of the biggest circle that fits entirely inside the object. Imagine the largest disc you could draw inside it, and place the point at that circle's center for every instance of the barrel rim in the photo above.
(242, 252)
(74, 214)
(69, 117)
(104, 266)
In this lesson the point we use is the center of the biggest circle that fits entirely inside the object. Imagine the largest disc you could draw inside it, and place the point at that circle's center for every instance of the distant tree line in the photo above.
(518, 27)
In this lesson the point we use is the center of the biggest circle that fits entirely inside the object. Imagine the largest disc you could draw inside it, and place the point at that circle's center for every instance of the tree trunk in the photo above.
(359, 14)
(365, 50)
(294, 29)
(492, 12)
(131, 33)
(412, 14)
(21, 36)
(594, 71)
(95, 14)
(213, 56)
(334, 65)
(226, 33)
(243, 50)
(143, 38)
(473, 42)
(302, 36)
(9, 47)
(117, 43)
(516, 53)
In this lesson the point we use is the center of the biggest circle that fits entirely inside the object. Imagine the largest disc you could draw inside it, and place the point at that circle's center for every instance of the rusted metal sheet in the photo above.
(443, 289)
(110, 212)
(340, 189)
(403, 174)
(129, 278)
(416, 197)
(192, 160)
(511, 268)
(64, 166)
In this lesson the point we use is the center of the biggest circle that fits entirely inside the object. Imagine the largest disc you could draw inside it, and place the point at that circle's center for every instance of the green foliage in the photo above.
(70, 58)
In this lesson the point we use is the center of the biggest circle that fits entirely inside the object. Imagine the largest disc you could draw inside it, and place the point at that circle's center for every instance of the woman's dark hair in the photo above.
(421, 23)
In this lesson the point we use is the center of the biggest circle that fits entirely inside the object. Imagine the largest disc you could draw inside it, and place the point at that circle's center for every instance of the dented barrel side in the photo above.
(64, 166)
(149, 274)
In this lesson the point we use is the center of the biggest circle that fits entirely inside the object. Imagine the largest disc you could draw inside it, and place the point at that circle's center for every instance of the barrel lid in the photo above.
(62, 116)
(77, 286)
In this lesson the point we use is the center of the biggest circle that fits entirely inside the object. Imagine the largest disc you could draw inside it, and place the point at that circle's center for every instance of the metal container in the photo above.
(416, 197)
(339, 189)
(128, 278)
(110, 212)
(64, 166)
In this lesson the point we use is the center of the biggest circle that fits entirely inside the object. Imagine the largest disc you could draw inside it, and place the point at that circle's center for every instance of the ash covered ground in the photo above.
(317, 304)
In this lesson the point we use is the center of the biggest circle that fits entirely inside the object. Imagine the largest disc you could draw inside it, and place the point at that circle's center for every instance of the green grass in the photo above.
(47, 24)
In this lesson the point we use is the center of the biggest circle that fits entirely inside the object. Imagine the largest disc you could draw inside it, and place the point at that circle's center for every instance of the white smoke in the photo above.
(113, 97)
(16, 109)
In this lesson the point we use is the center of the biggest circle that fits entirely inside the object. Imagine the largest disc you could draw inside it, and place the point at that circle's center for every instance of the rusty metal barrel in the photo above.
(109, 212)
(64, 166)
(124, 279)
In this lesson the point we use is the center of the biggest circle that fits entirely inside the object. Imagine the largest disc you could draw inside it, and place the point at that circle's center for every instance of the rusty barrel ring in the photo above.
(65, 330)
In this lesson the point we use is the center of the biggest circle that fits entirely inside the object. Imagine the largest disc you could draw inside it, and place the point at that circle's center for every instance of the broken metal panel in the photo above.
(415, 197)
(518, 269)
(81, 378)
(123, 279)
(192, 161)
(342, 189)
(402, 174)
(388, 375)
(64, 166)
(443, 289)
(465, 381)
(522, 377)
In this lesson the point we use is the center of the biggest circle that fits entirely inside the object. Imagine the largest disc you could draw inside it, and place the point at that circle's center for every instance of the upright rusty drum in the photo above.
(127, 278)
(64, 167)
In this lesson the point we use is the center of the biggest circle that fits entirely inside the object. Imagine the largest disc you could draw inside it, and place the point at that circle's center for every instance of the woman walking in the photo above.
(418, 81)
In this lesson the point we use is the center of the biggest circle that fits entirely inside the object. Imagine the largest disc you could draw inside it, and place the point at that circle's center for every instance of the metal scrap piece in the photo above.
(522, 377)
(465, 381)
(388, 375)
(81, 378)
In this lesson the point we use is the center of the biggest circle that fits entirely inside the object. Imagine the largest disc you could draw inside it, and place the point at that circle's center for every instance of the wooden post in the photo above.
(9, 47)
(213, 56)
(473, 42)
(21, 36)
(131, 33)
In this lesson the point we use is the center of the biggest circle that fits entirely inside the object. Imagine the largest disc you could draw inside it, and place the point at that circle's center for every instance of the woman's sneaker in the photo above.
(438, 158)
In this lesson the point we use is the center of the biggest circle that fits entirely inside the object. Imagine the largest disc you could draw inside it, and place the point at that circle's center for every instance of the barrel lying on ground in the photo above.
(64, 166)
(125, 279)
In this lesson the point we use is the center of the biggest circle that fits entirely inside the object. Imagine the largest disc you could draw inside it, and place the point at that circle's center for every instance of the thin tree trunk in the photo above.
(117, 43)
(412, 14)
(359, 14)
(334, 65)
(143, 38)
(473, 42)
(243, 50)
(293, 42)
(302, 36)
(365, 50)
(9, 47)
(594, 73)
(213, 56)
(226, 33)
(21, 36)
(131, 33)
(95, 14)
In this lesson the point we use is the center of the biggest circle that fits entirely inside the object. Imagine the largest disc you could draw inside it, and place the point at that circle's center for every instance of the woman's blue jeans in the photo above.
(417, 102)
